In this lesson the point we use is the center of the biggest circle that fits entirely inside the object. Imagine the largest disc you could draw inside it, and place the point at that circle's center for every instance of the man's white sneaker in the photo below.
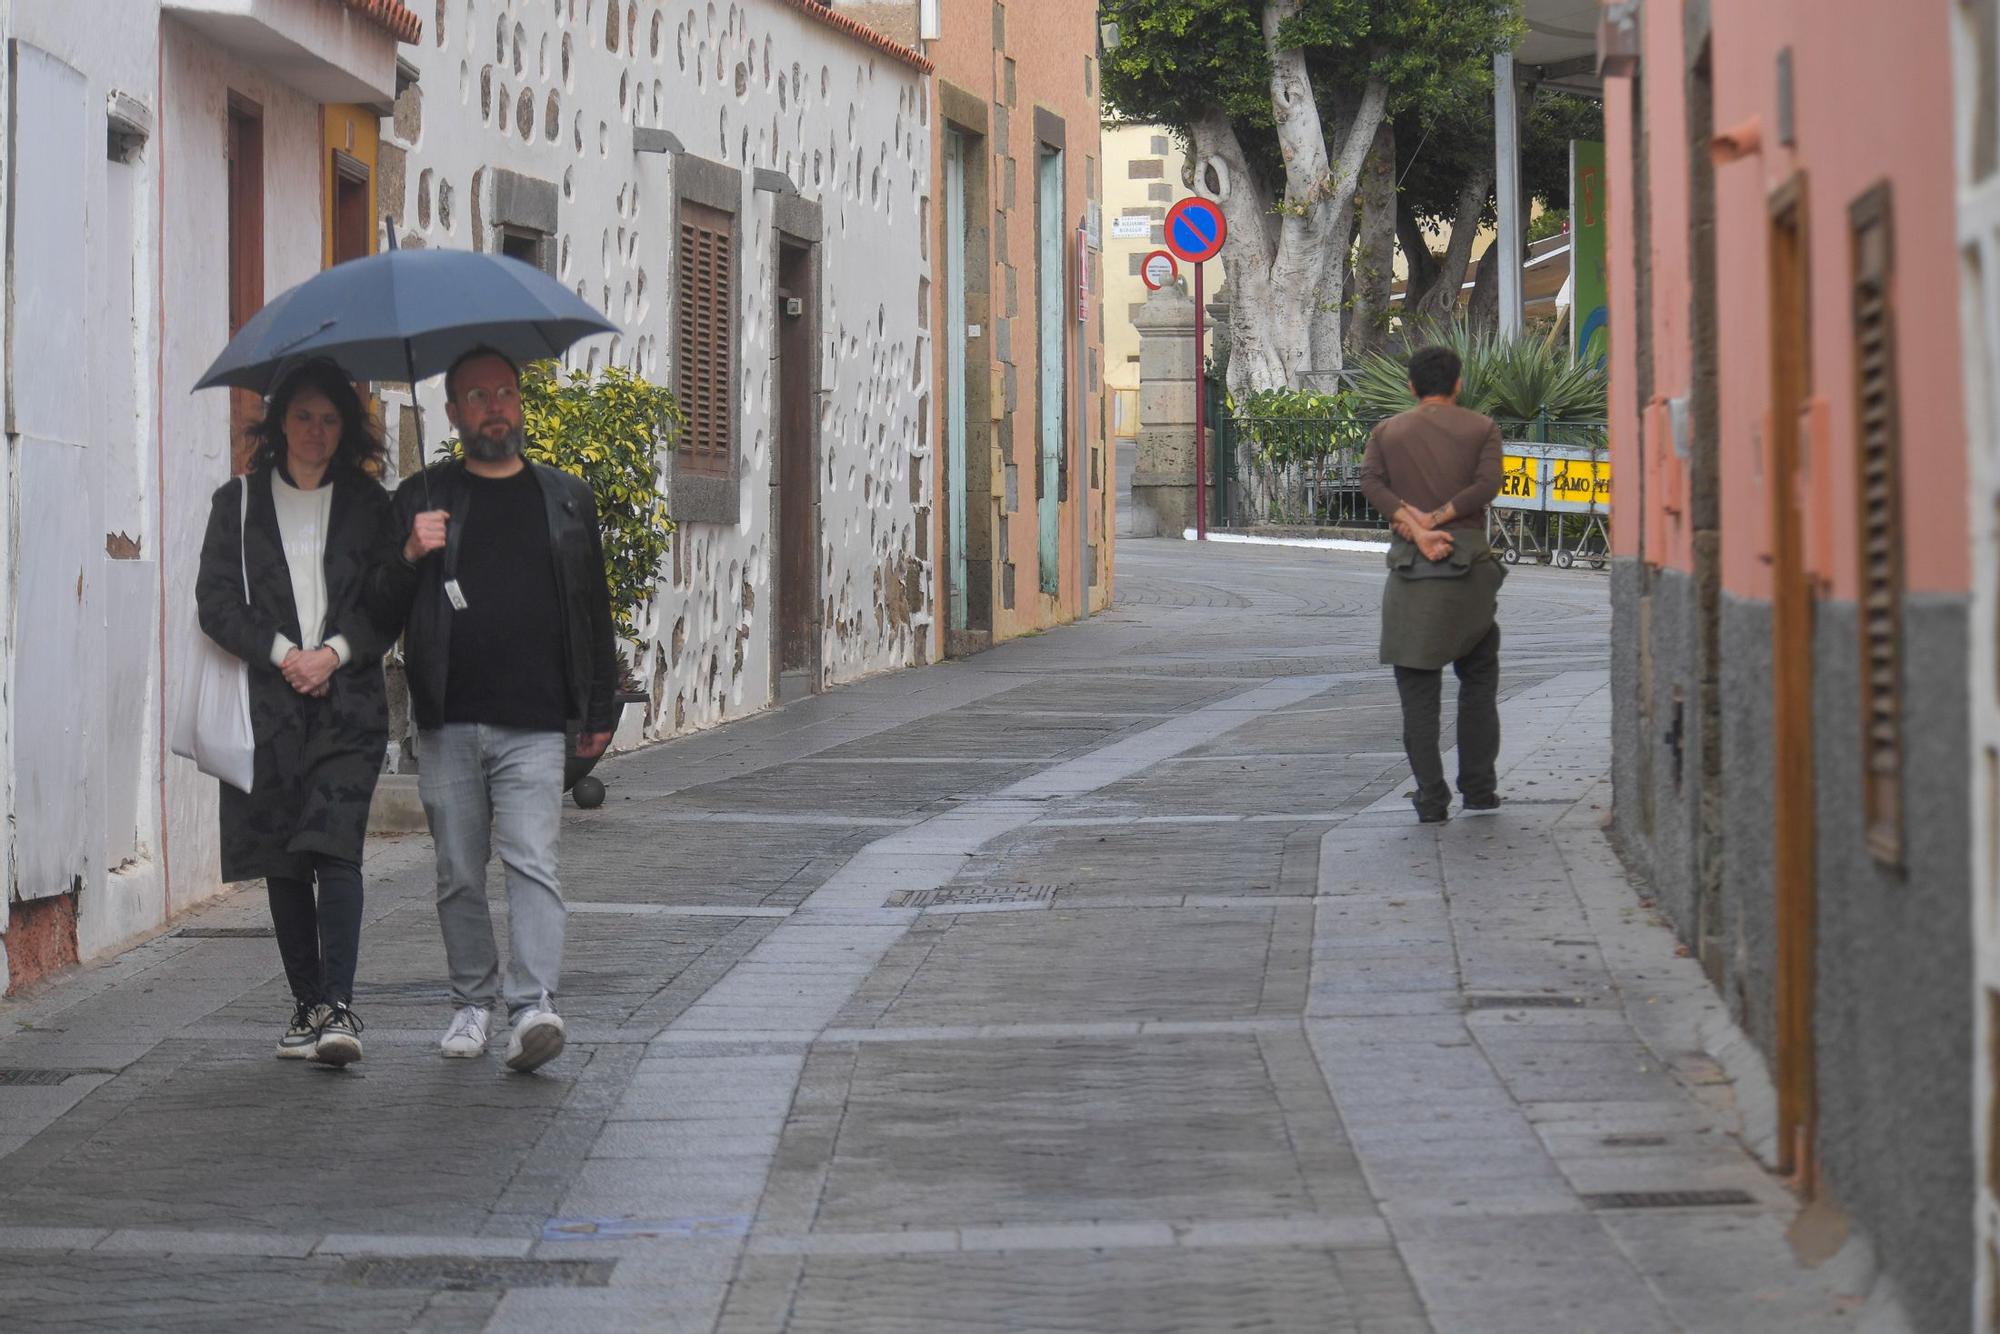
(467, 1035)
(538, 1039)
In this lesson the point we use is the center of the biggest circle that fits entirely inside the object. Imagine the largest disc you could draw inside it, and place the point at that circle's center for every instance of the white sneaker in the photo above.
(467, 1035)
(538, 1039)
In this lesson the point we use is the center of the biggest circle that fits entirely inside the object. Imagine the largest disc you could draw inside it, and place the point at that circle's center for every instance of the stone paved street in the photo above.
(1102, 983)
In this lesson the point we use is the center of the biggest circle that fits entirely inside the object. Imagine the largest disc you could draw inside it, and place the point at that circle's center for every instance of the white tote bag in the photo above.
(213, 725)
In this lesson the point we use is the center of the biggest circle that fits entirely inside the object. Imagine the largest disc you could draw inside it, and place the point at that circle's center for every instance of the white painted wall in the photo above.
(195, 292)
(752, 84)
(102, 398)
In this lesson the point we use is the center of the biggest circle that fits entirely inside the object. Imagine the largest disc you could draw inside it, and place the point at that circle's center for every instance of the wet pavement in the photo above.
(1101, 983)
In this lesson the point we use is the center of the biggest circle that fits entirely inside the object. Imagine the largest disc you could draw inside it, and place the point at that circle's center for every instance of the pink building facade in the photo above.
(1791, 577)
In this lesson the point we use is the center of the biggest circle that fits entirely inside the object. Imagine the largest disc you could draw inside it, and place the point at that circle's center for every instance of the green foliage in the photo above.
(1177, 59)
(1523, 383)
(1549, 222)
(1438, 145)
(1286, 426)
(610, 431)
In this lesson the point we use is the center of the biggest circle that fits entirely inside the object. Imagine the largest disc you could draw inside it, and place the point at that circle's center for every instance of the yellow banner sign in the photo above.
(1520, 478)
(1531, 481)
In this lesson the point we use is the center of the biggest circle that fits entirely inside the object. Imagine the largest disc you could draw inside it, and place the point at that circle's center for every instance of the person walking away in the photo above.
(501, 585)
(317, 522)
(1433, 470)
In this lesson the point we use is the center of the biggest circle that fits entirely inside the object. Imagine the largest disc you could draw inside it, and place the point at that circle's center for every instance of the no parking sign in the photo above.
(1195, 230)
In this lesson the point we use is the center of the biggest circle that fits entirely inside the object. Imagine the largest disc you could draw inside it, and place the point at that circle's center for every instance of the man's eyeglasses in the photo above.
(479, 400)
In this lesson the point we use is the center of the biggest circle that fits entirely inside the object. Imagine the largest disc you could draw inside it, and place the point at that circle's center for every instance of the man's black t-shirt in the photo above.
(506, 664)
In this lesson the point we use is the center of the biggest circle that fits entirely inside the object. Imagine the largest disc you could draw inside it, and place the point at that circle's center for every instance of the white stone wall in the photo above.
(748, 85)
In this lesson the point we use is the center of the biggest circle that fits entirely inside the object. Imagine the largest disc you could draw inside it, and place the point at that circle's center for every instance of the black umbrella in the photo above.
(407, 315)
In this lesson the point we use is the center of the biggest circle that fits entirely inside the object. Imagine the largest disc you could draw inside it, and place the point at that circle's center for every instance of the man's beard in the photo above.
(486, 449)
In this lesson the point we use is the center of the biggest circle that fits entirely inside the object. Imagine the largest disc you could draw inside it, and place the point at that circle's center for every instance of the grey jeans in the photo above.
(488, 789)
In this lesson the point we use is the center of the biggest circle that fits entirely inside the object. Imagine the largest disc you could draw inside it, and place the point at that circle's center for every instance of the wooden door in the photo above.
(798, 492)
(1791, 652)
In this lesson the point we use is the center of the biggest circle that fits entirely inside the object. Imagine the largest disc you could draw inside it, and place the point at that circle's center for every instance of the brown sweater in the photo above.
(1430, 455)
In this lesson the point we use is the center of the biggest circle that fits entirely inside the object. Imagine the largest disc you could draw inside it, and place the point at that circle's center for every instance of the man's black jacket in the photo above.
(413, 595)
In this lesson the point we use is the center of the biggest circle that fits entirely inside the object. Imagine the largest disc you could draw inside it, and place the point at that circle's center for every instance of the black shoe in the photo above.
(302, 1037)
(1481, 806)
(339, 1037)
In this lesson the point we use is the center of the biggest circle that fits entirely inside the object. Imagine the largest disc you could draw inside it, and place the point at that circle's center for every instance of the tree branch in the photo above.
(1440, 301)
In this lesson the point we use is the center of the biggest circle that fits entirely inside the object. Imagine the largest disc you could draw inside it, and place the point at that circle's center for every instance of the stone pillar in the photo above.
(1163, 482)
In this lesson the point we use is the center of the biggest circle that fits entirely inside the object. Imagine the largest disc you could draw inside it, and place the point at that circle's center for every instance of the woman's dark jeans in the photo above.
(319, 941)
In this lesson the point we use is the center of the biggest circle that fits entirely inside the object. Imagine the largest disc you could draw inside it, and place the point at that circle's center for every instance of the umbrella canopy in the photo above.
(407, 315)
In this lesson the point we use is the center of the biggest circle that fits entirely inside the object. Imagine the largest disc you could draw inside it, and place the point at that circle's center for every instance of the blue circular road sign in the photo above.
(1195, 230)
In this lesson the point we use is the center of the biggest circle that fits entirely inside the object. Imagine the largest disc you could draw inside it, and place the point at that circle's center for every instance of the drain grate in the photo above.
(42, 1078)
(1634, 1141)
(1668, 1199)
(973, 895)
(1535, 1002)
(453, 1274)
(224, 933)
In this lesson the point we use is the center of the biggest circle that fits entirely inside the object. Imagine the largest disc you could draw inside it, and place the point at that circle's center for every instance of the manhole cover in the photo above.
(469, 1275)
(1523, 1002)
(969, 895)
(224, 933)
(43, 1078)
(1667, 1199)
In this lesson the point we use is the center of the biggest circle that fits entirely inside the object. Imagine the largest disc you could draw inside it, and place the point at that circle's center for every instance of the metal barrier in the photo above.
(1554, 504)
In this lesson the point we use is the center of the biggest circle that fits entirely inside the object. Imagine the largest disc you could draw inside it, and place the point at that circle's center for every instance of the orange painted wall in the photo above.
(1872, 102)
(1048, 60)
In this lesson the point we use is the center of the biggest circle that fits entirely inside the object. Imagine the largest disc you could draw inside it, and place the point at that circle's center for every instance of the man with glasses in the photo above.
(508, 643)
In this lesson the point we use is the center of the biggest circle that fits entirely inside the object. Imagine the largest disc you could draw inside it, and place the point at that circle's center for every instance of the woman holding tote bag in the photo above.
(316, 521)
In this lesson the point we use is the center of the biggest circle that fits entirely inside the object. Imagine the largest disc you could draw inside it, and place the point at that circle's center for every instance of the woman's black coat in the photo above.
(317, 759)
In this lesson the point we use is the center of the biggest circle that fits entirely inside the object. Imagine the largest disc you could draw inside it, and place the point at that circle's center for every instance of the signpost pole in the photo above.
(1200, 412)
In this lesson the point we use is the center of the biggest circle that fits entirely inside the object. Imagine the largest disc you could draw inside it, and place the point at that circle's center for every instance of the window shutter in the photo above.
(704, 372)
(1878, 430)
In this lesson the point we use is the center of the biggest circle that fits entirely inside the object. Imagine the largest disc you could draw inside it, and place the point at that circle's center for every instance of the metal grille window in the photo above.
(1879, 434)
(704, 368)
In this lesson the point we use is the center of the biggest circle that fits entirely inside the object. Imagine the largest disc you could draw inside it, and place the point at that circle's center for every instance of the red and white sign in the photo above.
(1196, 230)
(1158, 269)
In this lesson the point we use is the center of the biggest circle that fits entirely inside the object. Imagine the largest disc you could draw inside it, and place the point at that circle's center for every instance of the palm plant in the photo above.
(1526, 381)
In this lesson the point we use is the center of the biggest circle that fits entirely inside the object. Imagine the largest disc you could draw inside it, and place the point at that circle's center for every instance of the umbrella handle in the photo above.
(417, 415)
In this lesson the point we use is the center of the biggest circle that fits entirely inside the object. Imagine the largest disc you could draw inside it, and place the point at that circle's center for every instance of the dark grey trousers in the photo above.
(1478, 725)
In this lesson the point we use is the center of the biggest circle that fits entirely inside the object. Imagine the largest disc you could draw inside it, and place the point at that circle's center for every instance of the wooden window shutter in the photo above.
(704, 370)
(1878, 433)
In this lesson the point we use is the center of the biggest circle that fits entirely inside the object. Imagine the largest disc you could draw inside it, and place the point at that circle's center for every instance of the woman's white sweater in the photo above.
(303, 518)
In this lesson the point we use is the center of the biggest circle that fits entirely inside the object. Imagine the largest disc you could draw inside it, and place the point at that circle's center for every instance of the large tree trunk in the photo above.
(1247, 206)
(1439, 303)
(1286, 258)
(1419, 261)
(1375, 248)
(1482, 313)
